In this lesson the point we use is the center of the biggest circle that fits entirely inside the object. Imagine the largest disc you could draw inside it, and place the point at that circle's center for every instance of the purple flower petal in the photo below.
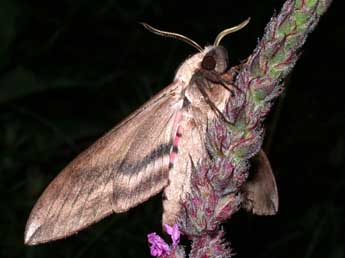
(174, 233)
(158, 246)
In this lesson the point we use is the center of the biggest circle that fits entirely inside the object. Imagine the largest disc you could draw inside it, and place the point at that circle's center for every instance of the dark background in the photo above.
(72, 69)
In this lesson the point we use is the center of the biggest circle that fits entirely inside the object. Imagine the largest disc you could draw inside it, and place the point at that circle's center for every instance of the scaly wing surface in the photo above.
(122, 169)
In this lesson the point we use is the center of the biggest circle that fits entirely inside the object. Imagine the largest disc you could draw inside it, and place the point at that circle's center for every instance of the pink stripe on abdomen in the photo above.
(178, 135)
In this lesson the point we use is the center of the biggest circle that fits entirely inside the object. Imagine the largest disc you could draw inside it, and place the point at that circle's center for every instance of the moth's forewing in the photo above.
(122, 169)
(260, 194)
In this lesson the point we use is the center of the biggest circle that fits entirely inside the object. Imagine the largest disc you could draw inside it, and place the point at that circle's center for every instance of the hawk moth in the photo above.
(151, 150)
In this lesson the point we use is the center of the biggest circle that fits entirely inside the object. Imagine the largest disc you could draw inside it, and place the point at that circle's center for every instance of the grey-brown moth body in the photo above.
(150, 151)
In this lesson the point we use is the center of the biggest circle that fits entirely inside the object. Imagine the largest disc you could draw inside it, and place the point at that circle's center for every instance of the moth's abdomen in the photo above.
(188, 148)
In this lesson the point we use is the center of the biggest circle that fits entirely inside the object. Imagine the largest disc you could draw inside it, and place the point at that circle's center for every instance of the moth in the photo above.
(152, 150)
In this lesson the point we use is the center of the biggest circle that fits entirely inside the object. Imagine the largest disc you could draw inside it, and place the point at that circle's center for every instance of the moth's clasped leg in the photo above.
(211, 76)
(202, 84)
(226, 79)
(229, 78)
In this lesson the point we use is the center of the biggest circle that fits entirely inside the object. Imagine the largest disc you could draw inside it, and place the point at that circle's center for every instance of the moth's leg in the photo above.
(225, 81)
(230, 75)
(201, 83)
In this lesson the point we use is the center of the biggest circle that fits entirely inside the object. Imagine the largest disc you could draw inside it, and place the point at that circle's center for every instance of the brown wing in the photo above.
(121, 170)
(260, 193)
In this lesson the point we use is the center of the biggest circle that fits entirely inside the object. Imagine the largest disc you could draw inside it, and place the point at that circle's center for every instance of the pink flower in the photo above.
(158, 246)
(174, 233)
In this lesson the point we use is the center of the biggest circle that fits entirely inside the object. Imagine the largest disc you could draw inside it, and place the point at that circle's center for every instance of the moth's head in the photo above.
(215, 59)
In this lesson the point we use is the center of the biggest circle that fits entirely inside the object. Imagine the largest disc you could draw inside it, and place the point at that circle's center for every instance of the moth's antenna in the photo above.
(230, 30)
(172, 35)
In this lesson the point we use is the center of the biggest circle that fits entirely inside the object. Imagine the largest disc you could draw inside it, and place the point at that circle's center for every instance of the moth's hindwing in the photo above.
(260, 194)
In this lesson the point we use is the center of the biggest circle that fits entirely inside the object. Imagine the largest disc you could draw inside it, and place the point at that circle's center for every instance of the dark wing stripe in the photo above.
(127, 168)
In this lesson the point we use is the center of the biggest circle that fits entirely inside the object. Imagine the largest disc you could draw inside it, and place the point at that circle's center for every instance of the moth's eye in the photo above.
(208, 63)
